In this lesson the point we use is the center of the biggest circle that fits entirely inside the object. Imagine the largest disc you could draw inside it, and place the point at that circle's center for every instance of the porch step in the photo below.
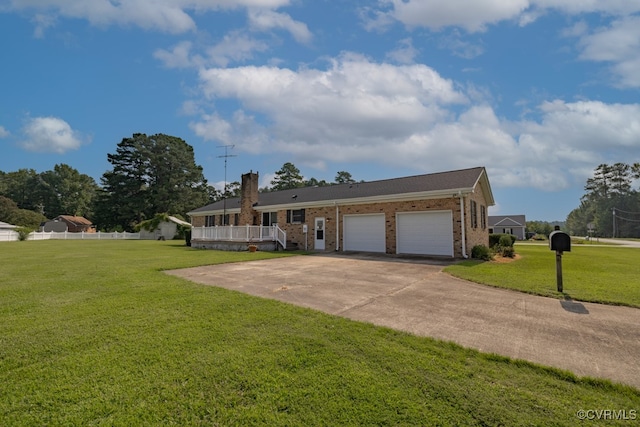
(291, 246)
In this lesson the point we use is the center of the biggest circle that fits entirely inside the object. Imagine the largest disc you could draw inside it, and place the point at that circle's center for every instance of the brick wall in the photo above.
(295, 233)
(480, 234)
(249, 191)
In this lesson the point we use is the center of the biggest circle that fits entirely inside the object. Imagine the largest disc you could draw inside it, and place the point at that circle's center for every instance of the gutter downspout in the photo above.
(462, 226)
(337, 227)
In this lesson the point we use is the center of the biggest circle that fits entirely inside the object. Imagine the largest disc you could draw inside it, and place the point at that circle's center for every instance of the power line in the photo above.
(628, 212)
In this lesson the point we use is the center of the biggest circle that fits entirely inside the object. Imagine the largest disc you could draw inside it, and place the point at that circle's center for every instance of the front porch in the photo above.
(238, 238)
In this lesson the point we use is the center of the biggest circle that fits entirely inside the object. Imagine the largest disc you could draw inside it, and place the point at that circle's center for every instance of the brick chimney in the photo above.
(248, 197)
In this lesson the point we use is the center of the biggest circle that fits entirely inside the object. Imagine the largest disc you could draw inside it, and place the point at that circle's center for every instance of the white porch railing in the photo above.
(240, 233)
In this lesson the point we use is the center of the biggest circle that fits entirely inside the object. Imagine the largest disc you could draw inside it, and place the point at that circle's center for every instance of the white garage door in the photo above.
(364, 233)
(425, 233)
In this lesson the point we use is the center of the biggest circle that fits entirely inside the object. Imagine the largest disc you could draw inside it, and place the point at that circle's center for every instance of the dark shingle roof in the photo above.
(465, 179)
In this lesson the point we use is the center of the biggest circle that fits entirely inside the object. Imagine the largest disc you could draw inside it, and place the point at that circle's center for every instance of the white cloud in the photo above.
(3, 132)
(609, 7)
(235, 47)
(42, 22)
(459, 47)
(476, 15)
(264, 20)
(405, 53)
(179, 56)
(410, 117)
(172, 16)
(619, 44)
(50, 135)
(472, 15)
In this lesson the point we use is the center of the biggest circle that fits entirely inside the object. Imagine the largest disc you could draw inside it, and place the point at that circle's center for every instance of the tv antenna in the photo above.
(224, 196)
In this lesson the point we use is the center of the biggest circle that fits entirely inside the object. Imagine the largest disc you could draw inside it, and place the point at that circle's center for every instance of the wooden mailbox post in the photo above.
(560, 242)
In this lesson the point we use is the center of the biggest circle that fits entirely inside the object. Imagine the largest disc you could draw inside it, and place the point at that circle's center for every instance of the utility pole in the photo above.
(614, 223)
(224, 196)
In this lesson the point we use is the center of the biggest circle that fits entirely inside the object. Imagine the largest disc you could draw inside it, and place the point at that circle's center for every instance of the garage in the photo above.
(364, 233)
(425, 233)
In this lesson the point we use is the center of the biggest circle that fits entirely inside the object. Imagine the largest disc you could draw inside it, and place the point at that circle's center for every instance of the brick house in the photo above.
(439, 214)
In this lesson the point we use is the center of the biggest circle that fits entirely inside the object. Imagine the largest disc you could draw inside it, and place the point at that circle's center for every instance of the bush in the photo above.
(496, 240)
(508, 251)
(481, 252)
(23, 232)
(506, 241)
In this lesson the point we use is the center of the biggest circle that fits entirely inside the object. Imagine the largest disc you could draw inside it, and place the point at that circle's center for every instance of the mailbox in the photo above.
(560, 241)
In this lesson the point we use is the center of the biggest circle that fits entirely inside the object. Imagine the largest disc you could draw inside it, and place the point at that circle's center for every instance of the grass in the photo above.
(93, 333)
(608, 275)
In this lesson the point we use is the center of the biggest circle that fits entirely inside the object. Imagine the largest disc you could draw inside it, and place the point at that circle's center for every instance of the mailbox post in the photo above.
(560, 242)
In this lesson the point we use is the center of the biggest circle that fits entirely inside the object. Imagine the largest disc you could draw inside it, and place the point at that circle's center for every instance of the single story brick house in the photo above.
(508, 224)
(438, 214)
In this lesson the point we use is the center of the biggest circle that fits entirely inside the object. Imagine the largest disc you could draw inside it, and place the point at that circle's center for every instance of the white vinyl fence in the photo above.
(8, 235)
(65, 235)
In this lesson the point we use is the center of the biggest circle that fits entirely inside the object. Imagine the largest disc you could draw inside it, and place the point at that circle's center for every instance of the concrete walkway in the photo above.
(417, 297)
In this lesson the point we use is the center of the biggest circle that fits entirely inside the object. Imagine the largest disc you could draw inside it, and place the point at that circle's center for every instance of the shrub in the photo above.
(506, 240)
(494, 240)
(481, 252)
(23, 233)
(508, 251)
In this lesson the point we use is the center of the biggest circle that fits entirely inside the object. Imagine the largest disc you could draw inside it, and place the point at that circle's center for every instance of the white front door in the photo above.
(319, 234)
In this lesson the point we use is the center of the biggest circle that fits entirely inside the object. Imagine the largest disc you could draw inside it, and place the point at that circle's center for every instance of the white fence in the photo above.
(65, 235)
(8, 235)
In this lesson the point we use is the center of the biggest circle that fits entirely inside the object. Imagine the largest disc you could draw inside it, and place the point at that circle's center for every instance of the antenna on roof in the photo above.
(224, 195)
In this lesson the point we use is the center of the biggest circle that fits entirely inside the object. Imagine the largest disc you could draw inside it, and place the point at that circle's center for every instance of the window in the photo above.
(209, 220)
(483, 216)
(474, 214)
(269, 218)
(295, 216)
(236, 219)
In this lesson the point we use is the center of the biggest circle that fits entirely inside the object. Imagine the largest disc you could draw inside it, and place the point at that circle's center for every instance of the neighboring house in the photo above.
(508, 224)
(166, 230)
(441, 214)
(6, 226)
(72, 224)
(7, 232)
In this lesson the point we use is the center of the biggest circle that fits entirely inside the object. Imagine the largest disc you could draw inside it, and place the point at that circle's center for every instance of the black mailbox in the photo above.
(560, 241)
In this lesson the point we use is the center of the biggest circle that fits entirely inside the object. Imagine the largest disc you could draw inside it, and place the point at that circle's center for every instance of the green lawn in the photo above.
(93, 333)
(608, 274)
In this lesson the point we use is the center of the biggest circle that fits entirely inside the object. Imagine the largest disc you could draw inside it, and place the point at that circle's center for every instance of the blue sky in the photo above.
(540, 92)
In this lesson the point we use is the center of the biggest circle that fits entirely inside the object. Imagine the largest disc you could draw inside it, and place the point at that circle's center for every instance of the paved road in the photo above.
(621, 242)
(417, 297)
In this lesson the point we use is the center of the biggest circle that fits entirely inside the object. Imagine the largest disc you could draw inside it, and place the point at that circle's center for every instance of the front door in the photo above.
(319, 234)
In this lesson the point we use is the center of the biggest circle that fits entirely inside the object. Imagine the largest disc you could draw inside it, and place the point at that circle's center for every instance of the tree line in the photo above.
(611, 206)
(149, 175)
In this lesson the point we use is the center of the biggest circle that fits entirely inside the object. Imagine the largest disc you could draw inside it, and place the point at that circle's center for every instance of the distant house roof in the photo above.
(75, 220)
(406, 188)
(507, 221)
(178, 221)
(6, 226)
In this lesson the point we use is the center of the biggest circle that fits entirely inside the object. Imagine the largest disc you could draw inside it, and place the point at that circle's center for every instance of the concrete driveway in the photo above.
(414, 295)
